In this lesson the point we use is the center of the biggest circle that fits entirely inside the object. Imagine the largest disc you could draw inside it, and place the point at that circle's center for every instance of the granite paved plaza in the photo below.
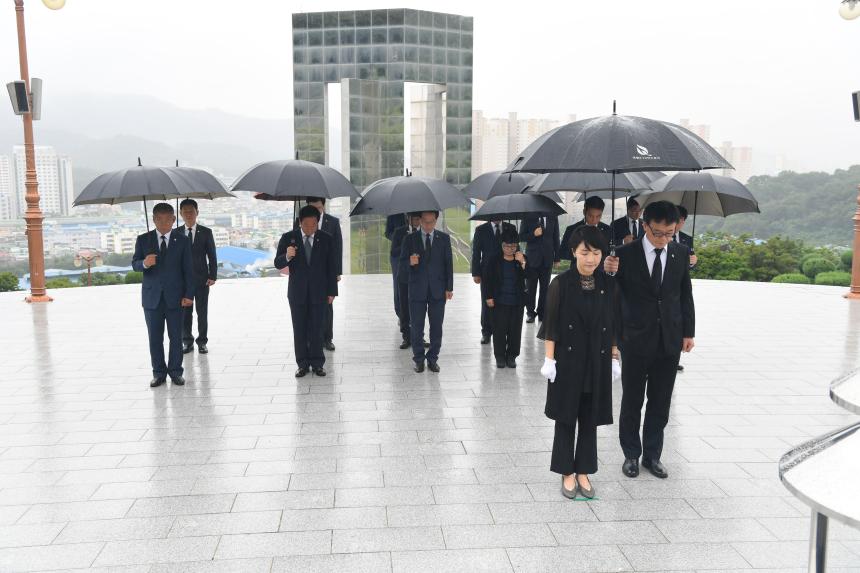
(375, 468)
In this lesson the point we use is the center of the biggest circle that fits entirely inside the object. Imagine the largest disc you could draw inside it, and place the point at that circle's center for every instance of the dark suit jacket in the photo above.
(397, 239)
(491, 280)
(309, 284)
(649, 316)
(203, 256)
(172, 278)
(686, 240)
(621, 228)
(393, 222)
(433, 275)
(331, 225)
(485, 246)
(564, 253)
(542, 251)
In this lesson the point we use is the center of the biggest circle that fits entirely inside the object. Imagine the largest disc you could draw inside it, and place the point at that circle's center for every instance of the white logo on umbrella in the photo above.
(642, 150)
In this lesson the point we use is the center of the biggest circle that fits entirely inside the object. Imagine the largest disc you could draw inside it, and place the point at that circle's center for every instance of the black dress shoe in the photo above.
(319, 371)
(405, 344)
(680, 368)
(433, 366)
(201, 348)
(187, 348)
(419, 367)
(329, 345)
(485, 339)
(530, 318)
(155, 382)
(630, 467)
(656, 468)
(512, 362)
(301, 372)
(500, 363)
(177, 380)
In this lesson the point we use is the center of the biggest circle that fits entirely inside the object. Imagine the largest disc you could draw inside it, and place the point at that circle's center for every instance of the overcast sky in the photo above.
(774, 75)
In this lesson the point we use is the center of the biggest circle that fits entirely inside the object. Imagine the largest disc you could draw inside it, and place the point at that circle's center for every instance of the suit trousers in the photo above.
(507, 330)
(201, 302)
(308, 326)
(653, 376)
(537, 276)
(395, 265)
(328, 329)
(403, 299)
(570, 455)
(435, 311)
(155, 321)
(486, 318)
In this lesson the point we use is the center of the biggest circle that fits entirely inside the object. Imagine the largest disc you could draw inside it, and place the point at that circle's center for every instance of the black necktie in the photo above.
(162, 252)
(308, 248)
(498, 233)
(635, 229)
(427, 246)
(657, 270)
(191, 236)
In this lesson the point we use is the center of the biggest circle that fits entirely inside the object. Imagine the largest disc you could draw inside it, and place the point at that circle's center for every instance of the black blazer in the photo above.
(433, 275)
(621, 228)
(172, 278)
(485, 246)
(583, 345)
(686, 240)
(564, 253)
(393, 222)
(541, 251)
(309, 284)
(203, 256)
(491, 280)
(649, 316)
(331, 225)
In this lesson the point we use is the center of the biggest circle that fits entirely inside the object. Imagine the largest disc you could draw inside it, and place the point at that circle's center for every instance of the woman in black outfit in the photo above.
(503, 286)
(579, 340)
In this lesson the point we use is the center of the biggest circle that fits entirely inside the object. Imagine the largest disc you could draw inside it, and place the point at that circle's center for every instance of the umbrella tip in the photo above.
(613, 107)
(177, 163)
(139, 164)
(297, 154)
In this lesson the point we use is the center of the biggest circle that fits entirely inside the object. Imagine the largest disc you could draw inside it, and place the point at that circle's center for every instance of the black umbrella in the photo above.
(396, 195)
(496, 183)
(703, 194)
(617, 144)
(145, 182)
(294, 180)
(516, 206)
(593, 184)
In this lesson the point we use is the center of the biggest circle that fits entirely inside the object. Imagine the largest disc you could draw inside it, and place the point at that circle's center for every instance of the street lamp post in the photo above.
(850, 10)
(91, 258)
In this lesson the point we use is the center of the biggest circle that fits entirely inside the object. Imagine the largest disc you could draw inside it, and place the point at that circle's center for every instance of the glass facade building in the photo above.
(385, 126)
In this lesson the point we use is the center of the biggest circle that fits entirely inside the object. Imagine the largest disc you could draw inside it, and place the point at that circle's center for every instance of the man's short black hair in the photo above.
(415, 214)
(631, 202)
(436, 213)
(162, 208)
(594, 202)
(309, 211)
(661, 212)
(315, 200)
(186, 202)
(591, 236)
(510, 236)
(682, 211)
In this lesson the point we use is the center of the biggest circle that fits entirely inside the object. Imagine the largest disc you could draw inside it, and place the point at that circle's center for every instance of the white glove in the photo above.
(616, 370)
(548, 369)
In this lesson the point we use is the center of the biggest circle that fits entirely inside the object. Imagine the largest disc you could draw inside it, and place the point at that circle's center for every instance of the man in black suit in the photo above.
(205, 263)
(592, 211)
(687, 241)
(431, 284)
(486, 246)
(628, 228)
(540, 234)
(310, 255)
(657, 324)
(163, 255)
(331, 225)
(400, 270)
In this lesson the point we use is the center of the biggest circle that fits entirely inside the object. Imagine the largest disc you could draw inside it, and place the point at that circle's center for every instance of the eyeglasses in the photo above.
(659, 234)
(504, 246)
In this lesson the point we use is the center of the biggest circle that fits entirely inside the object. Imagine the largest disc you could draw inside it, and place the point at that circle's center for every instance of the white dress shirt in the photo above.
(630, 226)
(651, 256)
(158, 236)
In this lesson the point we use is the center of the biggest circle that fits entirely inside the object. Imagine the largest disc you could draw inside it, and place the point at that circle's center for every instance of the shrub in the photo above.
(133, 278)
(60, 282)
(793, 278)
(833, 278)
(846, 258)
(8, 282)
(815, 266)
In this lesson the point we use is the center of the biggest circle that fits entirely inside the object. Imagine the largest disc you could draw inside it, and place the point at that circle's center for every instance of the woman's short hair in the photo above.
(510, 236)
(591, 236)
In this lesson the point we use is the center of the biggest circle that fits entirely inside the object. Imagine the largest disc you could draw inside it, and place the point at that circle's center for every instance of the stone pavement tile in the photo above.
(743, 507)
(606, 532)
(797, 529)
(503, 535)
(226, 523)
(76, 555)
(752, 487)
(551, 491)
(261, 501)
(46, 494)
(642, 509)
(437, 515)
(676, 488)
(157, 551)
(221, 485)
(274, 544)
(336, 480)
(76, 511)
(563, 510)
(387, 539)
(429, 477)
(376, 496)
(451, 561)
(384, 463)
(200, 471)
(780, 554)
(464, 461)
(713, 530)
(354, 563)
(11, 513)
(290, 467)
(481, 493)
(181, 505)
(115, 529)
(675, 556)
(143, 489)
(333, 518)
(597, 559)
(27, 535)
(260, 565)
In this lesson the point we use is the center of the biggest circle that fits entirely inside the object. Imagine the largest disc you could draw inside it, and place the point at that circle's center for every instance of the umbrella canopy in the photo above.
(397, 195)
(496, 183)
(589, 184)
(703, 194)
(618, 143)
(294, 180)
(516, 206)
(144, 183)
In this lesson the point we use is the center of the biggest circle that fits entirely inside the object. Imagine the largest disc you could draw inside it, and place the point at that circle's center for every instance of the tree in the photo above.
(8, 282)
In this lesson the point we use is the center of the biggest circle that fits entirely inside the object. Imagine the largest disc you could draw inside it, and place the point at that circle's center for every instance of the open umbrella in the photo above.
(618, 144)
(593, 184)
(404, 194)
(516, 206)
(293, 180)
(495, 183)
(702, 194)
